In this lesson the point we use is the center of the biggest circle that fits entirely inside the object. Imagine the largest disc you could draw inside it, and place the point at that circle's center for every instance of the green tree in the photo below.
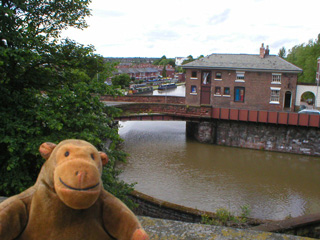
(50, 91)
(190, 59)
(160, 61)
(164, 61)
(123, 80)
(282, 52)
(171, 62)
(164, 71)
(305, 56)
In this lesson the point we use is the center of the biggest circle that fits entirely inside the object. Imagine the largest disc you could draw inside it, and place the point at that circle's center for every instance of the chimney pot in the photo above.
(262, 51)
(267, 51)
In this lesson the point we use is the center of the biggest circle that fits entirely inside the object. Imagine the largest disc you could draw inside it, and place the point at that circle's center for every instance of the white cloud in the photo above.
(173, 28)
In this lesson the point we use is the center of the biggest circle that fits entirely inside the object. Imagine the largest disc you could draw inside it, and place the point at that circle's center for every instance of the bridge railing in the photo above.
(287, 118)
(146, 99)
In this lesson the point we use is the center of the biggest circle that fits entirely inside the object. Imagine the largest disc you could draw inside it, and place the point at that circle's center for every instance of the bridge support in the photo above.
(292, 139)
(204, 132)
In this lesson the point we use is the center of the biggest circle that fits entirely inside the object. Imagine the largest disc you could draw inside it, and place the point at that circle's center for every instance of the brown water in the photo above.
(168, 166)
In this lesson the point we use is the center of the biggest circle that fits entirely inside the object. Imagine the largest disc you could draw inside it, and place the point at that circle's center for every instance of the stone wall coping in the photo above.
(287, 224)
(176, 230)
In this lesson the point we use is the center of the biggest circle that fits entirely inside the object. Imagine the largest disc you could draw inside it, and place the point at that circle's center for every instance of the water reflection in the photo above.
(180, 91)
(170, 167)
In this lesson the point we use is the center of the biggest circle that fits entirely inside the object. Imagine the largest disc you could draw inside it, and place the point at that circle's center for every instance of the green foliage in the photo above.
(164, 71)
(190, 59)
(122, 80)
(223, 217)
(50, 91)
(282, 52)
(245, 212)
(164, 61)
(305, 56)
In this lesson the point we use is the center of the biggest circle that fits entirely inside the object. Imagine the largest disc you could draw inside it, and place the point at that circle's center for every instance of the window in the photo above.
(206, 78)
(239, 93)
(193, 89)
(194, 74)
(275, 95)
(218, 75)
(240, 77)
(217, 91)
(226, 91)
(276, 78)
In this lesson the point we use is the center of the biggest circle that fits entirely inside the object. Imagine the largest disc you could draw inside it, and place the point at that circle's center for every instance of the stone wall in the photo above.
(308, 225)
(175, 230)
(271, 137)
(152, 207)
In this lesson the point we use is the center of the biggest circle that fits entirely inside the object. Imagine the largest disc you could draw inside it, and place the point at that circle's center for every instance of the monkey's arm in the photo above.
(119, 221)
(14, 215)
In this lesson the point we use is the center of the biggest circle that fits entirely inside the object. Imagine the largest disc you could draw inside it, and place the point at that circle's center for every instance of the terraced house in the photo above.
(242, 81)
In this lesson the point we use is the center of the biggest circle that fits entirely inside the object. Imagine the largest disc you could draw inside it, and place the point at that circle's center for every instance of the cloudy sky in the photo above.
(178, 28)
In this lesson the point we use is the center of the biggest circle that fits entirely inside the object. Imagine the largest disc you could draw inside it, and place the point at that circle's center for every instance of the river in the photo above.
(179, 91)
(169, 166)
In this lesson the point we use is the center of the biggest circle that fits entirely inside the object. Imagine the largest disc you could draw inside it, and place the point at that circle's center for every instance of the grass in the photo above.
(224, 217)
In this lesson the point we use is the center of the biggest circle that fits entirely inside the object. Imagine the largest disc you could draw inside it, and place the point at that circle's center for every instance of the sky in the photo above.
(179, 28)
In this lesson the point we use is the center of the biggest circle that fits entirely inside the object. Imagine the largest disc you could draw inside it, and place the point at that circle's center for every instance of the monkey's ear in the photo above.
(104, 158)
(46, 149)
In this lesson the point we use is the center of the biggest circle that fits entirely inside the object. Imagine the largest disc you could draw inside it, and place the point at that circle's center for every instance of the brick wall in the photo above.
(145, 99)
(257, 87)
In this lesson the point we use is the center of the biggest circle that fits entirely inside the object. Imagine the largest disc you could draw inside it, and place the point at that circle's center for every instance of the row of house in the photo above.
(144, 71)
(243, 81)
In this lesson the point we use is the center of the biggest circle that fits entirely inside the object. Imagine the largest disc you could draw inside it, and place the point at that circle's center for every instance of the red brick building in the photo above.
(242, 81)
(139, 72)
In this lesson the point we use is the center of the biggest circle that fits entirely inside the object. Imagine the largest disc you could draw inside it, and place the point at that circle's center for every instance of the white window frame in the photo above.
(215, 94)
(275, 98)
(226, 95)
(194, 78)
(193, 93)
(218, 79)
(240, 77)
(276, 78)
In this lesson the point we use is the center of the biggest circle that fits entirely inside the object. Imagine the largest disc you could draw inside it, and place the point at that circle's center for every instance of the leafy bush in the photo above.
(50, 91)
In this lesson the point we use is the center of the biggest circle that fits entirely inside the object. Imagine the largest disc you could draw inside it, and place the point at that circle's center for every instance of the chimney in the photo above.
(267, 51)
(262, 51)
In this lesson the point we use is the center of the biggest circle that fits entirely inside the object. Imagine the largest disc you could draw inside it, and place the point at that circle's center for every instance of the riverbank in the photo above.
(307, 225)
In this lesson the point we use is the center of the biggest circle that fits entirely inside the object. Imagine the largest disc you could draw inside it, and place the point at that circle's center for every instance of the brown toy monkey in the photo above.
(68, 201)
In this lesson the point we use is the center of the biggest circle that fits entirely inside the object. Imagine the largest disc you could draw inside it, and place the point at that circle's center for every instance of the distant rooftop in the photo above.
(245, 62)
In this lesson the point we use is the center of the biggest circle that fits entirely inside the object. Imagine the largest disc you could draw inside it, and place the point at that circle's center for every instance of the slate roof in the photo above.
(245, 62)
(136, 70)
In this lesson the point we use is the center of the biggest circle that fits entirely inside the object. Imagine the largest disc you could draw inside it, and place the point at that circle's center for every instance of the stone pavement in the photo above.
(174, 230)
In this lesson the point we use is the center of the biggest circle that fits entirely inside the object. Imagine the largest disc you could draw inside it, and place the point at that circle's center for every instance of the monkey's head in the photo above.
(74, 168)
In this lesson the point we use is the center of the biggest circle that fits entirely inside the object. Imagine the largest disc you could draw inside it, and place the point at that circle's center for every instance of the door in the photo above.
(287, 100)
(205, 87)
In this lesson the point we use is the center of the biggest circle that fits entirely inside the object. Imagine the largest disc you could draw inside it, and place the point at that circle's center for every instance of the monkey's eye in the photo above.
(92, 156)
(66, 153)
